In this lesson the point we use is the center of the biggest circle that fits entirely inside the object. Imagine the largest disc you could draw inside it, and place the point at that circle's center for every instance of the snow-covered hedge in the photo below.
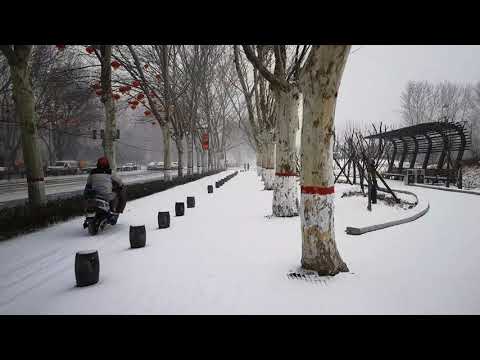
(471, 176)
(24, 218)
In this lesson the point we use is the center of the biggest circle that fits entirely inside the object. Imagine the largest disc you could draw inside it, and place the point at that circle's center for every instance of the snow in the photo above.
(225, 256)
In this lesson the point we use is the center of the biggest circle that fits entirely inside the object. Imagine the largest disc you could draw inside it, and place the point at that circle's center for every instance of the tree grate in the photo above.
(309, 276)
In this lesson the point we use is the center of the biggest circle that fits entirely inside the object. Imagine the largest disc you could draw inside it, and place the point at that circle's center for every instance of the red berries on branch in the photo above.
(116, 96)
(60, 47)
(136, 83)
(115, 64)
(124, 89)
(147, 113)
(90, 49)
(140, 96)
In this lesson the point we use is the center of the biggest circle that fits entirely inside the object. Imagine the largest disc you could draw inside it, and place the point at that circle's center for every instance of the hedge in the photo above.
(25, 218)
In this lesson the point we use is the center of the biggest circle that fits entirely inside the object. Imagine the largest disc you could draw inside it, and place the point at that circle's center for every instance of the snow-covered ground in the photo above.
(226, 257)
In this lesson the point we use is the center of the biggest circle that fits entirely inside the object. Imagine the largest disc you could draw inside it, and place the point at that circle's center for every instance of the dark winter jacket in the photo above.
(102, 181)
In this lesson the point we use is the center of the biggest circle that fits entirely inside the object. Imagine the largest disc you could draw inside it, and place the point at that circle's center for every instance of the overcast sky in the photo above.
(375, 76)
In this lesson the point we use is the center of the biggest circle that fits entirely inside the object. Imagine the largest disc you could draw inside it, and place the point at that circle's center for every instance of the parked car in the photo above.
(152, 166)
(128, 167)
(64, 167)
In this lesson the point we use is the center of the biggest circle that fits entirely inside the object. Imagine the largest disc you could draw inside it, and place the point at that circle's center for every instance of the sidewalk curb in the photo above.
(350, 230)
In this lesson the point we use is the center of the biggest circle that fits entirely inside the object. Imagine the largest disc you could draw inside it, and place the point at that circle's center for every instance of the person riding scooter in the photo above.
(105, 185)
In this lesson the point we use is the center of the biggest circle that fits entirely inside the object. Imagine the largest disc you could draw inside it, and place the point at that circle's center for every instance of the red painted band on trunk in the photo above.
(318, 190)
(286, 174)
(31, 180)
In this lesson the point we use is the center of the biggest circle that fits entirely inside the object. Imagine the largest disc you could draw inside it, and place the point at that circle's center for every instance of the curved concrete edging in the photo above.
(350, 230)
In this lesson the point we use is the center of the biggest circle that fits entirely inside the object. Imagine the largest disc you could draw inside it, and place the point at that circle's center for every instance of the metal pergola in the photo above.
(426, 138)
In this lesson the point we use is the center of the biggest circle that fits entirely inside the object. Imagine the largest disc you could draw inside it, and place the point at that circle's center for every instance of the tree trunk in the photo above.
(199, 161)
(190, 155)
(109, 147)
(285, 192)
(210, 159)
(180, 151)
(259, 161)
(320, 83)
(219, 161)
(25, 112)
(269, 169)
(204, 162)
(167, 157)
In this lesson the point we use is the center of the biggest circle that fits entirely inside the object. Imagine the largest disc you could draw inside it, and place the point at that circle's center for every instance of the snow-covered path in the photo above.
(226, 257)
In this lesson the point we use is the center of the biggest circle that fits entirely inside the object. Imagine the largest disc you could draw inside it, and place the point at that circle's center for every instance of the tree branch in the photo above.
(272, 79)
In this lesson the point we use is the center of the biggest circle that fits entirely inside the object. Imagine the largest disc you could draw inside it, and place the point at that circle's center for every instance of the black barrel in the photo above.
(190, 201)
(87, 267)
(217, 184)
(163, 219)
(179, 209)
(138, 236)
(210, 189)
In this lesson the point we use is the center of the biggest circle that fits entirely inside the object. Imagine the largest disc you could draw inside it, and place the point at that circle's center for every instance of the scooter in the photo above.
(98, 213)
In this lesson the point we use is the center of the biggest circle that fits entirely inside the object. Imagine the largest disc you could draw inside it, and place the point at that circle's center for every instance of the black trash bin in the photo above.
(163, 219)
(138, 236)
(179, 209)
(87, 267)
(210, 189)
(190, 201)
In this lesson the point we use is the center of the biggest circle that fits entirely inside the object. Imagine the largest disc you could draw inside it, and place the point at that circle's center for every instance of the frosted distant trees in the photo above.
(423, 101)
(261, 111)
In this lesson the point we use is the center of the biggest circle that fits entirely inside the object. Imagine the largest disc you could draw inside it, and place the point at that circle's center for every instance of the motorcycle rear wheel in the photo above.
(92, 228)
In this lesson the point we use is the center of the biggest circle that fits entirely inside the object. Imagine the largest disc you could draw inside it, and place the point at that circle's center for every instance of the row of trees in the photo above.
(424, 101)
(276, 81)
(50, 95)
(192, 90)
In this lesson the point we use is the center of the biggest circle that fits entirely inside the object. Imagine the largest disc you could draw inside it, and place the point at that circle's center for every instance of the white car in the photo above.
(155, 165)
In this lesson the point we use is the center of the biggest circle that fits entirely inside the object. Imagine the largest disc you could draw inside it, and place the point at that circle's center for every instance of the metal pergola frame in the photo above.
(426, 138)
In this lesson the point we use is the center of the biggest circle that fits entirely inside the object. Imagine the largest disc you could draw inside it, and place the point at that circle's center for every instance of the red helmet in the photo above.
(103, 163)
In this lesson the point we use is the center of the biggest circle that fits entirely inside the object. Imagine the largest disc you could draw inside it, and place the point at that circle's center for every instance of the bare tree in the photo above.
(18, 57)
(319, 81)
(261, 115)
(284, 82)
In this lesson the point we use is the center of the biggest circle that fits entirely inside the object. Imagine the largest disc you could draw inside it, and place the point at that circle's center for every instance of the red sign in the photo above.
(205, 141)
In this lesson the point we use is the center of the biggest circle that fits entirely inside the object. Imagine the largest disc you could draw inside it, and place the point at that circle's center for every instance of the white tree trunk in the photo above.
(259, 162)
(25, 112)
(320, 82)
(269, 170)
(285, 192)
